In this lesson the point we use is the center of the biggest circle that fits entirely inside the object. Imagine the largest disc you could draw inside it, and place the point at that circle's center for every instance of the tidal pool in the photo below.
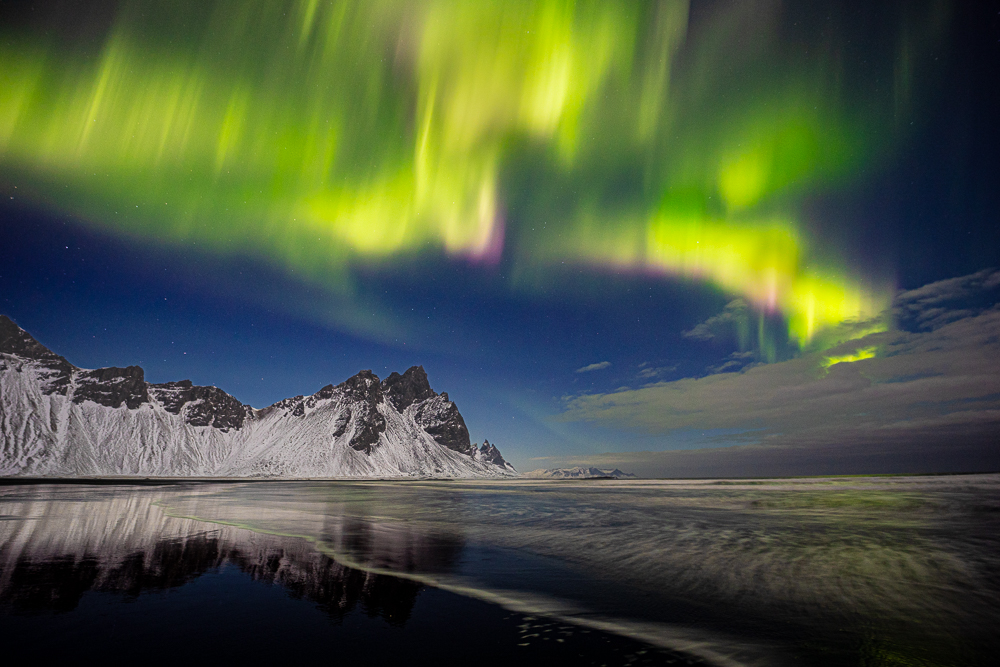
(824, 571)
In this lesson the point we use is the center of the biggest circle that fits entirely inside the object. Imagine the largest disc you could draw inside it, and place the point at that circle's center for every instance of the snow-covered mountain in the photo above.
(578, 473)
(60, 420)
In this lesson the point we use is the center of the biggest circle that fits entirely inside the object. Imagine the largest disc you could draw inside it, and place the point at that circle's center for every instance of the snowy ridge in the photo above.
(59, 420)
(579, 472)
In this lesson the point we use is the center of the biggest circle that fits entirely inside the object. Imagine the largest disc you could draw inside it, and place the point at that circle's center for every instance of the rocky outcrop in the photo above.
(111, 387)
(439, 417)
(490, 453)
(16, 341)
(54, 370)
(201, 406)
(366, 392)
(409, 388)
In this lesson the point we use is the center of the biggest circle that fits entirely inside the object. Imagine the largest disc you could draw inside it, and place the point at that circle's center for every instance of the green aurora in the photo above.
(323, 137)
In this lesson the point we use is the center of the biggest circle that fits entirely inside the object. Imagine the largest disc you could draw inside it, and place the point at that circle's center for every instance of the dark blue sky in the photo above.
(504, 340)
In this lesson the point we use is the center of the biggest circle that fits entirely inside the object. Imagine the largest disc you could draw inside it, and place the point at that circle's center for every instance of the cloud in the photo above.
(594, 367)
(734, 318)
(955, 363)
(922, 391)
(932, 306)
(648, 372)
(734, 362)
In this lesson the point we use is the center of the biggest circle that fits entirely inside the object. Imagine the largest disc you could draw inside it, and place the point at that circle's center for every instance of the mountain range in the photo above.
(60, 420)
(579, 472)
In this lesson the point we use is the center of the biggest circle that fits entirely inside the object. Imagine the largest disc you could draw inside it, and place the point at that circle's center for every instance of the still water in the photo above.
(839, 571)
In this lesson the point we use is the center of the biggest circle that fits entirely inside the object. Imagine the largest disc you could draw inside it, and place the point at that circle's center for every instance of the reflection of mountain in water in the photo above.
(48, 564)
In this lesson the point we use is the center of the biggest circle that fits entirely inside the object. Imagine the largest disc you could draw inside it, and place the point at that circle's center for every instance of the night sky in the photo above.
(683, 239)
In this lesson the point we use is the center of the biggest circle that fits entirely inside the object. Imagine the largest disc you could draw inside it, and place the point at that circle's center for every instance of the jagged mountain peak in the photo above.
(491, 454)
(364, 386)
(63, 420)
(54, 371)
(15, 340)
(410, 387)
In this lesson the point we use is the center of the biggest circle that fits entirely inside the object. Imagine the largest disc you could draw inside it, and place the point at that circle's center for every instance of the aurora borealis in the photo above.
(326, 135)
(540, 151)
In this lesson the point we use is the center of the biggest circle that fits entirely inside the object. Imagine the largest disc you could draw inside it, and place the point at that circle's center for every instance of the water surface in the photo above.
(839, 571)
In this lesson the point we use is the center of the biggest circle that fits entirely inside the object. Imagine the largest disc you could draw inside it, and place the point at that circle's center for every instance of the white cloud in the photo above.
(925, 390)
(594, 367)
(648, 372)
(958, 362)
(734, 362)
(934, 305)
(733, 317)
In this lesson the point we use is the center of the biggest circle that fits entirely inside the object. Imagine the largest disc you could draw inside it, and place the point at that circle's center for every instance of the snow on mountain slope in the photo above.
(579, 472)
(59, 420)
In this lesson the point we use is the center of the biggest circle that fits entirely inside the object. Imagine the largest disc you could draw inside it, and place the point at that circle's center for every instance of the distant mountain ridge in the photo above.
(579, 472)
(60, 420)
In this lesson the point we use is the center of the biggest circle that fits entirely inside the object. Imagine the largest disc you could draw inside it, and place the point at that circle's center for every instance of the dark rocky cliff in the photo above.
(437, 415)
(16, 341)
(206, 406)
(490, 453)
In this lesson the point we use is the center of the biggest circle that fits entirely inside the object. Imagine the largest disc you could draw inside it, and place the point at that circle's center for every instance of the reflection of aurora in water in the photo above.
(326, 136)
(881, 571)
